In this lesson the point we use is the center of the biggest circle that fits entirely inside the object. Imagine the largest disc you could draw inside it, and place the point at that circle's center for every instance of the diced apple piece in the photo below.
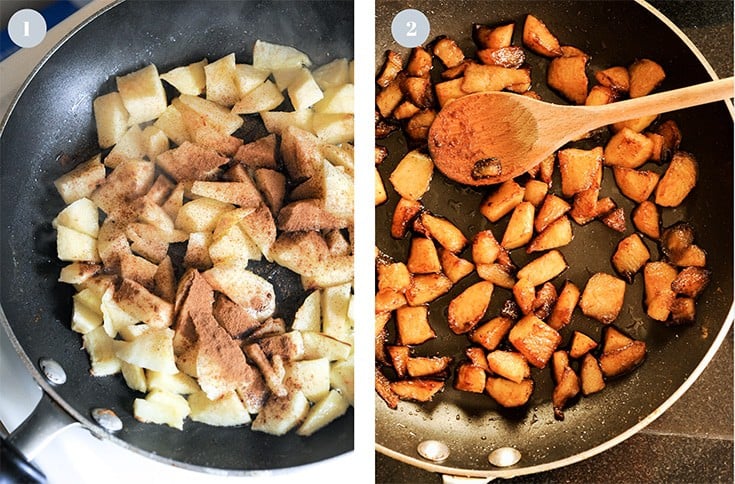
(646, 219)
(337, 99)
(129, 180)
(212, 114)
(620, 354)
(179, 383)
(645, 76)
(200, 215)
(265, 97)
(502, 201)
(520, 227)
(72, 245)
(277, 121)
(269, 56)
(129, 147)
(470, 378)
(489, 335)
(454, 267)
(444, 232)
(657, 279)
(188, 79)
(628, 149)
(561, 315)
(226, 411)
(101, 353)
(420, 366)
(557, 234)
(328, 409)
(507, 393)
(420, 390)
(172, 124)
(342, 378)
(637, 185)
(113, 316)
(249, 290)
(412, 176)
(334, 128)
(580, 169)
(82, 180)
(162, 408)
(335, 303)
(318, 345)
(581, 345)
(538, 38)
(509, 364)
(221, 83)
(84, 318)
(304, 92)
(82, 216)
(466, 310)
(111, 119)
(544, 268)
(281, 414)
(534, 339)
(679, 179)
(142, 94)
(630, 256)
(134, 377)
(591, 375)
(602, 297)
(425, 288)
(413, 325)
(309, 376)
(152, 350)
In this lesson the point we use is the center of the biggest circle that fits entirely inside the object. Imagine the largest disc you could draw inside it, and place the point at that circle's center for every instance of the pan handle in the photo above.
(46, 421)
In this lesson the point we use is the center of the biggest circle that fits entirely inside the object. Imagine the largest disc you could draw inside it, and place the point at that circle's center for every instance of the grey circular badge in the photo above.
(410, 28)
(27, 28)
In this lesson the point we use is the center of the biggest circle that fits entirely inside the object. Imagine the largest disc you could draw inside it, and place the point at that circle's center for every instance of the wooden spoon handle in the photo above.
(663, 102)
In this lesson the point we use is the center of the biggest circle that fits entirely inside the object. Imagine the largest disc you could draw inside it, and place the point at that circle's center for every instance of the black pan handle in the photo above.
(46, 421)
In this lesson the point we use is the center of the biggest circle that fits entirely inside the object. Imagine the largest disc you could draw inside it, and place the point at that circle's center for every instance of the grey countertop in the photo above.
(693, 441)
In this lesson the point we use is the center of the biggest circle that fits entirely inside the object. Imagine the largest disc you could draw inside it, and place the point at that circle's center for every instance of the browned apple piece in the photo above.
(678, 181)
(584, 208)
(413, 325)
(535, 192)
(497, 274)
(657, 280)
(470, 378)
(466, 310)
(538, 38)
(419, 390)
(412, 175)
(676, 239)
(561, 315)
(591, 375)
(567, 383)
(658, 146)
(419, 62)
(391, 67)
(424, 288)
(534, 339)
(601, 95)
(483, 78)
(507, 393)
(692, 256)
(502, 201)
(552, 208)
(691, 281)
(485, 248)
(581, 345)
(683, 311)
(388, 299)
(453, 266)
(637, 185)
(487, 37)
(636, 124)
(628, 149)
(417, 128)
(449, 90)
(509, 364)
(477, 357)
(426, 366)
(544, 301)
(615, 218)
(567, 75)
(444, 232)
(509, 57)
(490, 334)
(406, 210)
(383, 388)
(448, 51)
(543, 268)
(389, 97)
(423, 257)
(418, 90)
(406, 110)
(616, 77)
(520, 226)
(457, 71)
(399, 356)
(621, 358)
(580, 169)
(555, 235)
(394, 275)
(645, 76)
(671, 134)
(630, 256)
(646, 219)
(602, 297)
(524, 293)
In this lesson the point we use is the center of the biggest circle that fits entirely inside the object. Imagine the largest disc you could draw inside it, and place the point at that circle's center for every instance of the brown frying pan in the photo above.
(473, 426)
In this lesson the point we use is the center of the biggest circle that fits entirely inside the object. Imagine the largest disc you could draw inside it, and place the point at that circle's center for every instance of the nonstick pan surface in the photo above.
(52, 121)
(613, 33)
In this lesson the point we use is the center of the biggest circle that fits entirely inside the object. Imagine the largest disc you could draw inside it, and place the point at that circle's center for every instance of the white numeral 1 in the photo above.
(26, 28)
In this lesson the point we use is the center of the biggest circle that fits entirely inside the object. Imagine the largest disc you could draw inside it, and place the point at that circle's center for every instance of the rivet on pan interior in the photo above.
(433, 450)
(504, 457)
(107, 419)
(52, 371)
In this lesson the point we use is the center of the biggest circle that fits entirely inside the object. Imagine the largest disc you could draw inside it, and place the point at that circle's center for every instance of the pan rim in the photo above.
(656, 413)
(49, 390)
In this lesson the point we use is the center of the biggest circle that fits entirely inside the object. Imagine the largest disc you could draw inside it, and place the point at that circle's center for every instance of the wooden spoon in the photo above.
(491, 137)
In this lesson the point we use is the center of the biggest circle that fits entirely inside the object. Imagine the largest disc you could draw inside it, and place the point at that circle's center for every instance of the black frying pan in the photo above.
(53, 117)
(614, 33)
